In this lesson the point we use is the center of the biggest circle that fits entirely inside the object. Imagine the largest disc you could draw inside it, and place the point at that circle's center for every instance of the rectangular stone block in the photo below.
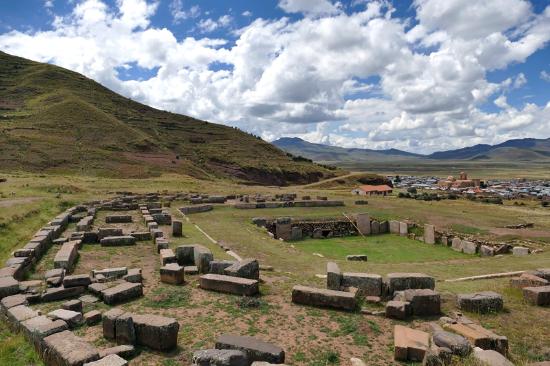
(457, 244)
(67, 255)
(61, 293)
(255, 349)
(394, 227)
(114, 241)
(405, 281)
(363, 223)
(429, 234)
(109, 231)
(469, 247)
(177, 228)
(229, 284)
(368, 284)
(324, 298)
(334, 276)
(539, 296)
(480, 337)
(66, 349)
(156, 332)
(123, 292)
(8, 286)
(172, 273)
(118, 219)
(202, 258)
(403, 229)
(77, 280)
(167, 256)
(410, 344)
(142, 235)
(185, 255)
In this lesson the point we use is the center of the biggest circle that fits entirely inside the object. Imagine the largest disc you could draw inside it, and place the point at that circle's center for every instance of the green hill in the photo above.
(55, 120)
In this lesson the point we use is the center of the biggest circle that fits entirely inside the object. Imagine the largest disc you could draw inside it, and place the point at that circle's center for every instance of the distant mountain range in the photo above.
(517, 150)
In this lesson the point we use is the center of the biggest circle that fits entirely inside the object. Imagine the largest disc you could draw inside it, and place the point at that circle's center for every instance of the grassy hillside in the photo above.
(59, 121)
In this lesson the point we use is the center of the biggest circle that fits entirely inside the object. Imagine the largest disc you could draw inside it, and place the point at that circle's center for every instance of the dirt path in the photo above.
(17, 201)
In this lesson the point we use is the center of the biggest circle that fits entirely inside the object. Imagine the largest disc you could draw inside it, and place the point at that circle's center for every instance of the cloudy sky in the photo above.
(421, 75)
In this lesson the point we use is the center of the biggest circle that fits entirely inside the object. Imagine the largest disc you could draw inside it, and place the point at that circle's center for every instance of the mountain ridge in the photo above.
(56, 120)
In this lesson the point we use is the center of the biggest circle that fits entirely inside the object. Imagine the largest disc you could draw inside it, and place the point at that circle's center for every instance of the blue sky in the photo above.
(421, 75)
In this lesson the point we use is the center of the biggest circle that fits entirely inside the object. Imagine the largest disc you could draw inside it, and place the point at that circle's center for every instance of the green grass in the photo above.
(15, 350)
(465, 229)
(386, 248)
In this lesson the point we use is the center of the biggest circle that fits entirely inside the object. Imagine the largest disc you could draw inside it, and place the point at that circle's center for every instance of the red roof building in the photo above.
(369, 190)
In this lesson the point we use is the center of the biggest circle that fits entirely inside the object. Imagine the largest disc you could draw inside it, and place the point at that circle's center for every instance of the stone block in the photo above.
(394, 227)
(72, 318)
(539, 296)
(283, 228)
(202, 257)
(218, 267)
(167, 256)
(65, 348)
(115, 241)
(123, 292)
(156, 332)
(19, 314)
(109, 231)
(400, 310)
(37, 328)
(528, 280)
(177, 228)
(255, 349)
(67, 255)
(9, 302)
(479, 336)
(406, 281)
(77, 280)
(480, 302)
(61, 293)
(363, 223)
(296, 233)
(124, 329)
(410, 344)
(8, 286)
(469, 247)
(357, 257)
(403, 228)
(491, 358)
(92, 317)
(384, 227)
(458, 345)
(109, 323)
(229, 284)
(375, 227)
(423, 302)
(520, 251)
(486, 251)
(118, 219)
(124, 351)
(74, 305)
(456, 244)
(368, 284)
(185, 255)
(429, 234)
(324, 298)
(334, 276)
(172, 273)
(247, 268)
(221, 357)
(134, 275)
(111, 273)
(110, 360)
(142, 235)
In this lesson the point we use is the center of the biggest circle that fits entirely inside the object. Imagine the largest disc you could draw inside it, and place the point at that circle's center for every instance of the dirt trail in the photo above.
(16, 201)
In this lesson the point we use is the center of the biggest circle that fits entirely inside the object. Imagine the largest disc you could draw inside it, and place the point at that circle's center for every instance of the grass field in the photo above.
(387, 248)
(310, 336)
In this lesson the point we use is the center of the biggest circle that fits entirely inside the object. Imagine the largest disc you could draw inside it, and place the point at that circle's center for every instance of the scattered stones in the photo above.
(324, 298)
(480, 302)
(255, 349)
(123, 292)
(229, 284)
(410, 344)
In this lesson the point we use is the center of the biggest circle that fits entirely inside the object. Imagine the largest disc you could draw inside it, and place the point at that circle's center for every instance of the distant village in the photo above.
(505, 188)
